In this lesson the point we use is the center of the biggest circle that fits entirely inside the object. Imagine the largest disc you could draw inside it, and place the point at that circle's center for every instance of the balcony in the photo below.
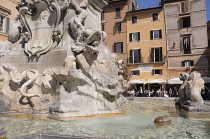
(145, 60)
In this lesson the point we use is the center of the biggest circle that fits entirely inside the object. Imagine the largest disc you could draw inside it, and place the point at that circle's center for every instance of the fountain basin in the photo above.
(136, 121)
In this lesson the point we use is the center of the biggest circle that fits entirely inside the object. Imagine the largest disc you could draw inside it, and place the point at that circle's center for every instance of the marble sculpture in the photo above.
(55, 61)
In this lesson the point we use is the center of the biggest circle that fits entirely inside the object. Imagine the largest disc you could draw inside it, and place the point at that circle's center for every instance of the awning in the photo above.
(206, 79)
(156, 81)
(175, 81)
(137, 82)
(178, 81)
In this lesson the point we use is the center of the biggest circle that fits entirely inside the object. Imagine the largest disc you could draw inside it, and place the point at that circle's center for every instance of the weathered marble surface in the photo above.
(2, 132)
(55, 61)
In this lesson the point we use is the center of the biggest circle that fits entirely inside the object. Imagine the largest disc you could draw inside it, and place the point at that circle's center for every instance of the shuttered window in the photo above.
(135, 56)
(187, 63)
(118, 47)
(184, 7)
(134, 36)
(156, 54)
(7, 25)
(4, 24)
(155, 34)
(184, 22)
(117, 10)
(118, 27)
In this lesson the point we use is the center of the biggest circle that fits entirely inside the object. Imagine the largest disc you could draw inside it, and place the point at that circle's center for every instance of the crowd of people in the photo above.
(152, 93)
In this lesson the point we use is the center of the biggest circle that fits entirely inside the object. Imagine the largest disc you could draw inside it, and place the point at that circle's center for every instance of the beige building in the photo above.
(8, 12)
(187, 43)
(146, 42)
(114, 24)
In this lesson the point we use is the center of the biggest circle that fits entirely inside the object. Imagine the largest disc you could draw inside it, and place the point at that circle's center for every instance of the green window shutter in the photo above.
(151, 35)
(160, 34)
(152, 54)
(138, 36)
(130, 35)
(131, 56)
(161, 54)
(121, 47)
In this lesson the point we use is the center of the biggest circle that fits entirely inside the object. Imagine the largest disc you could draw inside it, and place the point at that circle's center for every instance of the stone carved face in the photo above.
(183, 76)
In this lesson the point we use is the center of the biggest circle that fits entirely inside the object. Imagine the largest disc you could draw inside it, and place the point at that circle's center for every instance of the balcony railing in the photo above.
(144, 60)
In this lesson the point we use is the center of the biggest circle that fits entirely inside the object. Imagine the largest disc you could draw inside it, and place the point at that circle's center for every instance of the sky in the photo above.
(154, 3)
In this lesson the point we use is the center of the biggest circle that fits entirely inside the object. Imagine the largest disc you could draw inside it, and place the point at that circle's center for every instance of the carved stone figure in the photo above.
(190, 92)
(57, 63)
(183, 90)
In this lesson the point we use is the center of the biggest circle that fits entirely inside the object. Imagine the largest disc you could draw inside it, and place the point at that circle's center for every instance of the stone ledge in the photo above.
(48, 136)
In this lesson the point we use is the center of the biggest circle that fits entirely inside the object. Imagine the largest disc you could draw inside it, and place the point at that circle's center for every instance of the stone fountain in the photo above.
(55, 61)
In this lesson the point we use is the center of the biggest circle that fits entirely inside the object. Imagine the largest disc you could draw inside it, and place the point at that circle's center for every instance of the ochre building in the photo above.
(114, 24)
(146, 48)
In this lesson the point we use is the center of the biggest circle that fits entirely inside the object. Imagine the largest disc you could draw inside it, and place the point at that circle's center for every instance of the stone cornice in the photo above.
(98, 4)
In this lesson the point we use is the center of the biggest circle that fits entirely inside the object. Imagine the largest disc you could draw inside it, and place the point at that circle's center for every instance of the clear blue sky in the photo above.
(154, 3)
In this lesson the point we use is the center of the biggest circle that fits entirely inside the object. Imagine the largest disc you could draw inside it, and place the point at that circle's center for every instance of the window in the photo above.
(184, 22)
(184, 7)
(186, 45)
(4, 24)
(157, 72)
(156, 54)
(118, 47)
(154, 16)
(118, 26)
(135, 56)
(187, 63)
(134, 19)
(155, 34)
(135, 72)
(134, 36)
(117, 10)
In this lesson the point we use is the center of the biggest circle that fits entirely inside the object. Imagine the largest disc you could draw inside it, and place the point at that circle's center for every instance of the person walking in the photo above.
(170, 92)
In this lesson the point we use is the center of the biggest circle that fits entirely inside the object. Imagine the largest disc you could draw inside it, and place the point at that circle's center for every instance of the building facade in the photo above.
(8, 12)
(146, 42)
(187, 43)
(114, 24)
